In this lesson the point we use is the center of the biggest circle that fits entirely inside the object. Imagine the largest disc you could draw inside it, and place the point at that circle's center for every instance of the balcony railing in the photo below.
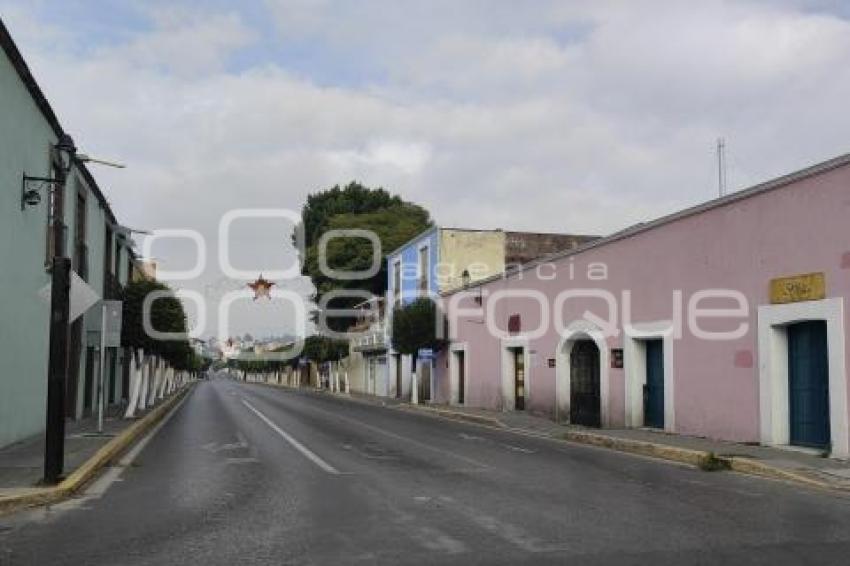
(374, 338)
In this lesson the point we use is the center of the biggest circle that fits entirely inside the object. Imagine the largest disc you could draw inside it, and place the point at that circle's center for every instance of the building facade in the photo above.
(444, 259)
(100, 250)
(727, 320)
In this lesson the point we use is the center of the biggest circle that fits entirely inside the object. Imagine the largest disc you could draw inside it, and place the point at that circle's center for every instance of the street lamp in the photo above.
(66, 154)
(65, 151)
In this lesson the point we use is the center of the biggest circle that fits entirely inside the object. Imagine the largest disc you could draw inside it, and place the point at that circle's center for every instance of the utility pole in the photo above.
(721, 166)
(60, 306)
(54, 445)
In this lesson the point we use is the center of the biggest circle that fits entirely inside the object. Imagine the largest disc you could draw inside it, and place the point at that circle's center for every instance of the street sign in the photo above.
(425, 354)
(113, 323)
(82, 297)
(112, 319)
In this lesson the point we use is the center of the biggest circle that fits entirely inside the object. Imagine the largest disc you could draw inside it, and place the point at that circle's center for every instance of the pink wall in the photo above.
(798, 228)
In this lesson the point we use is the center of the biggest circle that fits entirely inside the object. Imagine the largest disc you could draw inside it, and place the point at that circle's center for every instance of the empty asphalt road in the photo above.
(250, 474)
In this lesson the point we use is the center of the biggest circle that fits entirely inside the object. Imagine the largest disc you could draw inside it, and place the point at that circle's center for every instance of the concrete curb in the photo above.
(699, 458)
(86, 472)
(753, 467)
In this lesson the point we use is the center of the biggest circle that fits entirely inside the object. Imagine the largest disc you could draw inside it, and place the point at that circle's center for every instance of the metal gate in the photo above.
(585, 399)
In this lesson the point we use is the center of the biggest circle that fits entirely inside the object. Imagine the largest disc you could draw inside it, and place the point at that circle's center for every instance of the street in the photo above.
(251, 474)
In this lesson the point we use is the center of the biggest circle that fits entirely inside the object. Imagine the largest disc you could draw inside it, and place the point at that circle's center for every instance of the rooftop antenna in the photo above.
(721, 166)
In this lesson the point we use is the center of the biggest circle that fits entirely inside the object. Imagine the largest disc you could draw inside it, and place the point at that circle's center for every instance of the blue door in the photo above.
(808, 374)
(653, 392)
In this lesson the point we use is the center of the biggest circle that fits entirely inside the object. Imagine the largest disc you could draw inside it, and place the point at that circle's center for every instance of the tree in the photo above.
(393, 226)
(321, 349)
(415, 327)
(354, 198)
(391, 219)
(166, 315)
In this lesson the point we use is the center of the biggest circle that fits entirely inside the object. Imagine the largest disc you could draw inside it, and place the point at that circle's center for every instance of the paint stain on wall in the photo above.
(744, 359)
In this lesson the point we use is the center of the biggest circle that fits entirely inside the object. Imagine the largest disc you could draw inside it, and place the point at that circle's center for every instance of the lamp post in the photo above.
(54, 441)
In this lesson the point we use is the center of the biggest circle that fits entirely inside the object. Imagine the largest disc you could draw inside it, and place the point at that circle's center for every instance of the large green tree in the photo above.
(355, 206)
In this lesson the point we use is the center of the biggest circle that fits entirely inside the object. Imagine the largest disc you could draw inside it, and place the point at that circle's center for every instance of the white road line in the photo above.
(408, 440)
(309, 454)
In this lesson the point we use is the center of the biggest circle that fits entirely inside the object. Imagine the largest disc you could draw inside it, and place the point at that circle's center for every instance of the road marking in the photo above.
(424, 446)
(506, 531)
(519, 449)
(309, 454)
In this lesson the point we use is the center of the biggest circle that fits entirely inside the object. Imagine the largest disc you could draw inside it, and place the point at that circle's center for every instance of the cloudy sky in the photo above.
(549, 116)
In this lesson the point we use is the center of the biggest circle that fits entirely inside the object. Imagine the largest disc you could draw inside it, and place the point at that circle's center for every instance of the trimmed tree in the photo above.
(415, 327)
(166, 315)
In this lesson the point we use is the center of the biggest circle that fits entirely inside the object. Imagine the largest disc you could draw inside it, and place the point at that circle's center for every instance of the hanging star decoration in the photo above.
(261, 287)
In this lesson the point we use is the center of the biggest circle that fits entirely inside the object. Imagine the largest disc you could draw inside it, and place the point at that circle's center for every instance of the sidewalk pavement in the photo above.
(86, 452)
(801, 466)
(22, 463)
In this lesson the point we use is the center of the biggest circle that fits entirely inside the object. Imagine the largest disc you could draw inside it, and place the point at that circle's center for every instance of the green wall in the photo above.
(24, 332)
(24, 147)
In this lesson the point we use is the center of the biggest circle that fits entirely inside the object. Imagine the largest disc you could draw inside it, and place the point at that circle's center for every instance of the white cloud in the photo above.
(555, 117)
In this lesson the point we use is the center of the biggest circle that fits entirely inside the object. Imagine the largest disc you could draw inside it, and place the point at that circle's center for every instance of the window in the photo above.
(108, 263)
(423, 270)
(80, 249)
(397, 283)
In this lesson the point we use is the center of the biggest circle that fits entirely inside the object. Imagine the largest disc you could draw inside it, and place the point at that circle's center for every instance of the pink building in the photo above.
(726, 320)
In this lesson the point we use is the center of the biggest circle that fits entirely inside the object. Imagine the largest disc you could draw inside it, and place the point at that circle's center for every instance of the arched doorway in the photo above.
(585, 386)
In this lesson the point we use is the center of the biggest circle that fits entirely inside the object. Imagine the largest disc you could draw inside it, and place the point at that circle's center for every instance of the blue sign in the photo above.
(425, 354)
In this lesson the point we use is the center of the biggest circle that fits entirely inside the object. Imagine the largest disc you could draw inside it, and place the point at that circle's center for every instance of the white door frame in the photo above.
(508, 385)
(774, 405)
(580, 330)
(634, 362)
(454, 384)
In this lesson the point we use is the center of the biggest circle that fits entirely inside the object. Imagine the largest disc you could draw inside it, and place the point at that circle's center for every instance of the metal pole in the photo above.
(101, 373)
(721, 166)
(54, 437)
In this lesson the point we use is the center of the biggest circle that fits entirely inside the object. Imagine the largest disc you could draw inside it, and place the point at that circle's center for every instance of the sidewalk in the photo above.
(86, 452)
(22, 463)
(801, 466)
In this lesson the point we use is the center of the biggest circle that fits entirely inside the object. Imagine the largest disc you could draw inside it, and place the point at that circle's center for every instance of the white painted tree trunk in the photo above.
(136, 371)
(143, 389)
(154, 381)
(169, 380)
(414, 386)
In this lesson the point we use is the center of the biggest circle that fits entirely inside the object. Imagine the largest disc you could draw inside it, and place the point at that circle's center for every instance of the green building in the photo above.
(100, 250)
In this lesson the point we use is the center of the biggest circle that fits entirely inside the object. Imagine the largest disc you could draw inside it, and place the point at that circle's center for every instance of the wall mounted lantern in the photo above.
(31, 186)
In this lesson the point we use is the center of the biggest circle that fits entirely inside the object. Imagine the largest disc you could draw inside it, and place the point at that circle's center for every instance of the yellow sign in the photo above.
(797, 288)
